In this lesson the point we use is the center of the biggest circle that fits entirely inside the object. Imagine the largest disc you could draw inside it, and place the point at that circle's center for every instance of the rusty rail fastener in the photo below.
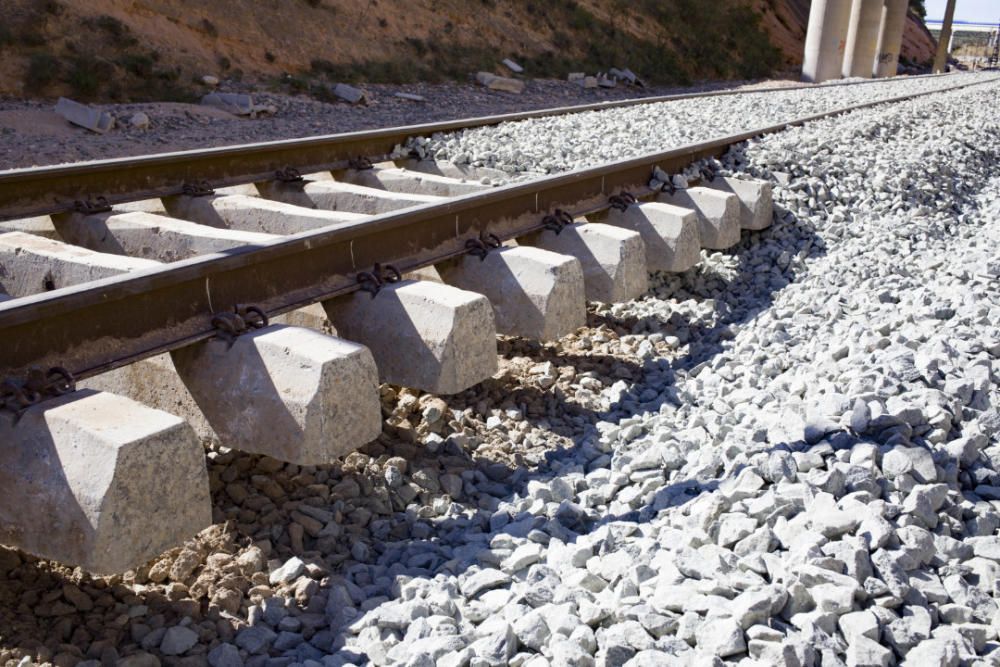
(197, 189)
(483, 246)
(373, 281)
(622, 200)
(360, 163)
(230, 326)
(289, 175)
(92, 206)
(17, 395)
(557, 221)
(667, 185)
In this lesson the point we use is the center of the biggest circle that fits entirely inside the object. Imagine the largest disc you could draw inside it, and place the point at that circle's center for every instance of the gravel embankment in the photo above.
(564, 143)
(787, 455)
(31, 133)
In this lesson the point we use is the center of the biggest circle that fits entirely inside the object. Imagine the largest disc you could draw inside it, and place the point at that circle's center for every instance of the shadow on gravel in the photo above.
(421, 544)
(739, 295)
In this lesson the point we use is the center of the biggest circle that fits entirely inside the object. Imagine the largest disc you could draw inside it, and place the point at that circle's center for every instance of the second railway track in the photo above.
(416, 270)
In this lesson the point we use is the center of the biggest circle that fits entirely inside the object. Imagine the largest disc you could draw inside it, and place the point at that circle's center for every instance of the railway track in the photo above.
(237, 261)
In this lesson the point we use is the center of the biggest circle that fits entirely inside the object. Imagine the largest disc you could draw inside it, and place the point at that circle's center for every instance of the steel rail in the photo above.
(54, 189)
(97, 326)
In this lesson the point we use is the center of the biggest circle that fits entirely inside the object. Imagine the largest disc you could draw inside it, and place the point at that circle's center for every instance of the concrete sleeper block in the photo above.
(423, 335)
(254, 214)
(310, 317)
(150, 236)
(154, 382)
(293, 394)
(31, 264)
(411, 182)
(451, 170)
(671, 234)
(718, 214)
(337, 196)
(99, 481)
(613, 259)
(85, 116)
(756, 205)
(535, 293)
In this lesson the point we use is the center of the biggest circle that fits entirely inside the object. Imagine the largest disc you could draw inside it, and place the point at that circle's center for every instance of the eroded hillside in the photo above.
(159, 49)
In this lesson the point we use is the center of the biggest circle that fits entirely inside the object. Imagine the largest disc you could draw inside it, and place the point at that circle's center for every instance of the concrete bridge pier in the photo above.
(944, 39)
(826, 39)
(890, 37)
(862, 38)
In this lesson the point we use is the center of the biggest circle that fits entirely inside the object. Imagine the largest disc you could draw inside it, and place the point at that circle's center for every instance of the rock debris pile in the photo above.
(787, 455)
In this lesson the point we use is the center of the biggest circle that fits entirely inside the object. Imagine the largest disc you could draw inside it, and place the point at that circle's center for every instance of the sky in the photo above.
(966, 10)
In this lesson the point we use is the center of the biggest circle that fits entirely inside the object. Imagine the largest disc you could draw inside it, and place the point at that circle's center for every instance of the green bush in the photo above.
(32, 39)
(140, 65)
(43, 69)
(87, 75)
(700, 40)
(115, 29)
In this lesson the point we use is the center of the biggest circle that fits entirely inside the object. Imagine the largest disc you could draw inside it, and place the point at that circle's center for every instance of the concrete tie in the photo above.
(293, 394)
(411, 182)
(150, 236)
(255, 214)
(31, 264)
(718, 214)
(613, 259)
(422, 334)
(756, 205)
(100, 481)
(288, 392)
(337, 196)
(670, 234)
(535, 293)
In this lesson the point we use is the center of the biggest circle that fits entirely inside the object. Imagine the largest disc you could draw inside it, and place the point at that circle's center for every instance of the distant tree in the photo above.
(917, 7)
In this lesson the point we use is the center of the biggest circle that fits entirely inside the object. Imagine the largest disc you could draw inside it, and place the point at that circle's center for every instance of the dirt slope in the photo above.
(159, 49)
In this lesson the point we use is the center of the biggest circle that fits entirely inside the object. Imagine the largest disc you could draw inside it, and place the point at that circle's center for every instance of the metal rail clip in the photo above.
(373, 281)
(17, 395)
(557, 221)
(360, 163)
(622, 200)
(668, 185)
(481, 247)
(230, 326)
(198, 189)
(92, 206)
(289, 175)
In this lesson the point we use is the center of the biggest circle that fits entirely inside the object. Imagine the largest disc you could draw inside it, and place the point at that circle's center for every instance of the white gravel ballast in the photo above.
(787, 455)
(813, 479)
(562, 143)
